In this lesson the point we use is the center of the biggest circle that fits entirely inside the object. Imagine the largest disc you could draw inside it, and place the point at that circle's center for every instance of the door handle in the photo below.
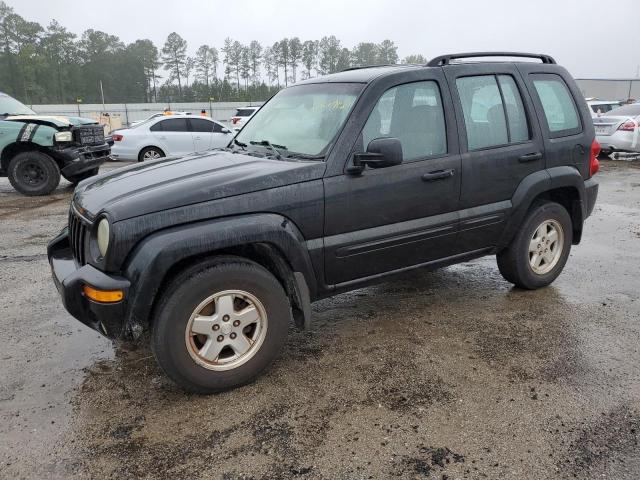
(197, 138)
(437, 175)
(531, 157)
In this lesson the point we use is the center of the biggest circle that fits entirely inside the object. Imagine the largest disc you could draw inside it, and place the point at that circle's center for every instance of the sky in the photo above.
(591, 38)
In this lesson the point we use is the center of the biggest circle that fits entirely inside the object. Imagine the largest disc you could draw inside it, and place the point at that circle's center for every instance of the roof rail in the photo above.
(446, 59)
(381, 65)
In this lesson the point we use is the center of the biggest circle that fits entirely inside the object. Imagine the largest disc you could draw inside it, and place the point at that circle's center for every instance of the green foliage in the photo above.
(52, 65)
(415, 59)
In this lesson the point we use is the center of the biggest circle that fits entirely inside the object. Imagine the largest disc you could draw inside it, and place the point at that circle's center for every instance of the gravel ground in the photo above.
(447, 375)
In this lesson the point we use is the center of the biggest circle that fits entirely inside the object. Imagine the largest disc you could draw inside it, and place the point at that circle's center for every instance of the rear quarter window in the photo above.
(560, 111)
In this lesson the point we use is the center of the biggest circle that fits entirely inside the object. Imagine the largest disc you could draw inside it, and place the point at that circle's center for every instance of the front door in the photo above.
(173, 136)
(208, 134)
(391, 218)
(500, 145)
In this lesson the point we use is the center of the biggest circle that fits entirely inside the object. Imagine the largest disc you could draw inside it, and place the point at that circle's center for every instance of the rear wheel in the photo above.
(539, 251)
(33, 173)
(150, 153)
(75, 179)
(220, 325)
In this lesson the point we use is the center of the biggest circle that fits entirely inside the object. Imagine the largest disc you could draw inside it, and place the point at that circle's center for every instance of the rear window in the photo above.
(244, 112)
(557, 102)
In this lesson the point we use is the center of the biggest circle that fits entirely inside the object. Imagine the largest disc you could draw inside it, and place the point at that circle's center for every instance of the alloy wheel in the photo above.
(226, 330)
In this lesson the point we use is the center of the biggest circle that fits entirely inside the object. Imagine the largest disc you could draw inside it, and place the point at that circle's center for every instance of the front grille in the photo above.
(77, 237)
(89, 135)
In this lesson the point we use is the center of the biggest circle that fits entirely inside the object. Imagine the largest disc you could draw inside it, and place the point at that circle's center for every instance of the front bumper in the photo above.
(81, 159)
(69, 278)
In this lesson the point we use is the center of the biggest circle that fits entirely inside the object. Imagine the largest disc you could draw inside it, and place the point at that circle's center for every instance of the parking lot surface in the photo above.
(447, 374)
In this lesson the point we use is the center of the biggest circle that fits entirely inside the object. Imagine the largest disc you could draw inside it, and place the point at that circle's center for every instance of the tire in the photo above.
(75, 179)
(150, 153)
(179, 351)
(517, 263)
(33, 173)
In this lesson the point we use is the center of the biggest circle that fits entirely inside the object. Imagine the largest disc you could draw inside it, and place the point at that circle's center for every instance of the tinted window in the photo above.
(244, 112)
(412, 113)
(205, 126)
(557, 102)
(493, 111)
(170, 125)
(518, 128)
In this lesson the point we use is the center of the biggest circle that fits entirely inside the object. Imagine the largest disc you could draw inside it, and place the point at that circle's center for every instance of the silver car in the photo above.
(619, 130)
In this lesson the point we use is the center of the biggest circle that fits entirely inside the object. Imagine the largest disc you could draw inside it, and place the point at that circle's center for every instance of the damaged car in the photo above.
(36, 150)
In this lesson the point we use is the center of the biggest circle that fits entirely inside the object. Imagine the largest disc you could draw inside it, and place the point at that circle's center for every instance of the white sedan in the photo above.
(173, 135)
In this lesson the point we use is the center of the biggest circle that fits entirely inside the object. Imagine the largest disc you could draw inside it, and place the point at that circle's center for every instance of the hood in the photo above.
(54, 120)
(169, 183)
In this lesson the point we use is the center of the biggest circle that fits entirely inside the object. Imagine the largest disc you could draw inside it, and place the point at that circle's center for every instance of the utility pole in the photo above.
(102, 95)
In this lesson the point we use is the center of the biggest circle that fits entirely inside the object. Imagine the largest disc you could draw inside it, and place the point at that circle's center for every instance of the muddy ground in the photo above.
(448, 375)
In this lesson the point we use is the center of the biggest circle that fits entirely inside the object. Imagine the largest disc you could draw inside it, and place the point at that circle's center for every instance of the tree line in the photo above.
(40, 65)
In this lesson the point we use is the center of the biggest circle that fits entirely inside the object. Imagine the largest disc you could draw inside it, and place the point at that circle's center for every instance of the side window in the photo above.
(493, 111)
(412, 113)
(558, 105)
(203, 126)
(156, 127)
(172, 125)
(516, 114)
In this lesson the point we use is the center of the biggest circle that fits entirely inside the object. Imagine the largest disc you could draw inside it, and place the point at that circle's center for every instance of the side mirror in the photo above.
(225, 130)
(381, 153)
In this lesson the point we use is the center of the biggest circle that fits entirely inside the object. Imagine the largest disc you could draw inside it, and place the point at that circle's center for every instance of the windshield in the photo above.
(11, 106)
(302, 119)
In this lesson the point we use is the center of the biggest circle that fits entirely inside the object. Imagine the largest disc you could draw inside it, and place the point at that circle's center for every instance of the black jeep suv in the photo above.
(336, 182)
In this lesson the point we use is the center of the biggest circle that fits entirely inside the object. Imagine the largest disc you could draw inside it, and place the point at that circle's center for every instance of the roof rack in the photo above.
(446, 59)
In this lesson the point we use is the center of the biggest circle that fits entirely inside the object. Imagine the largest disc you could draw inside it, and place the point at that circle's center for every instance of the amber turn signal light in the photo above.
(103, 296)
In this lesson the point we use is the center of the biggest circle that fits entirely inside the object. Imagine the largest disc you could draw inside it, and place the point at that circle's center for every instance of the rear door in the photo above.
(564, 115)
(501, 144)
(173, 136)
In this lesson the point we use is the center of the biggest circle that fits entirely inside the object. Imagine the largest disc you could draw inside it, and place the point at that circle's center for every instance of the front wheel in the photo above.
(33, 173)
(220, 325)
(539, 251)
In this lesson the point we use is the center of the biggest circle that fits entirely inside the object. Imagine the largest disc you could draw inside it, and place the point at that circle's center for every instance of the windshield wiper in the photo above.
(239, 143)
(270, 146)
(305, 156)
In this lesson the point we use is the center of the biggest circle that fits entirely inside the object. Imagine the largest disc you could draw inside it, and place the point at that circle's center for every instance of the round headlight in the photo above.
(103, 236)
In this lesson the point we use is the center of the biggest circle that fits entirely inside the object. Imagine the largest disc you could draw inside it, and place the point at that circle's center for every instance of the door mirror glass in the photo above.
(381, 153)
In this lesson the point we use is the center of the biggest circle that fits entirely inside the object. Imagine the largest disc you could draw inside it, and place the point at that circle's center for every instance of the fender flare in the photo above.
(158, 253)
(536, 184)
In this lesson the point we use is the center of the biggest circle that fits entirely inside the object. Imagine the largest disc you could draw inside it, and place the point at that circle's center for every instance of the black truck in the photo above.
(334, 183)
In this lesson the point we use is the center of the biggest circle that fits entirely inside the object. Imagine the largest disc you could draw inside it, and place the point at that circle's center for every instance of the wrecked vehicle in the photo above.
(335, 183)
(35, 150)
